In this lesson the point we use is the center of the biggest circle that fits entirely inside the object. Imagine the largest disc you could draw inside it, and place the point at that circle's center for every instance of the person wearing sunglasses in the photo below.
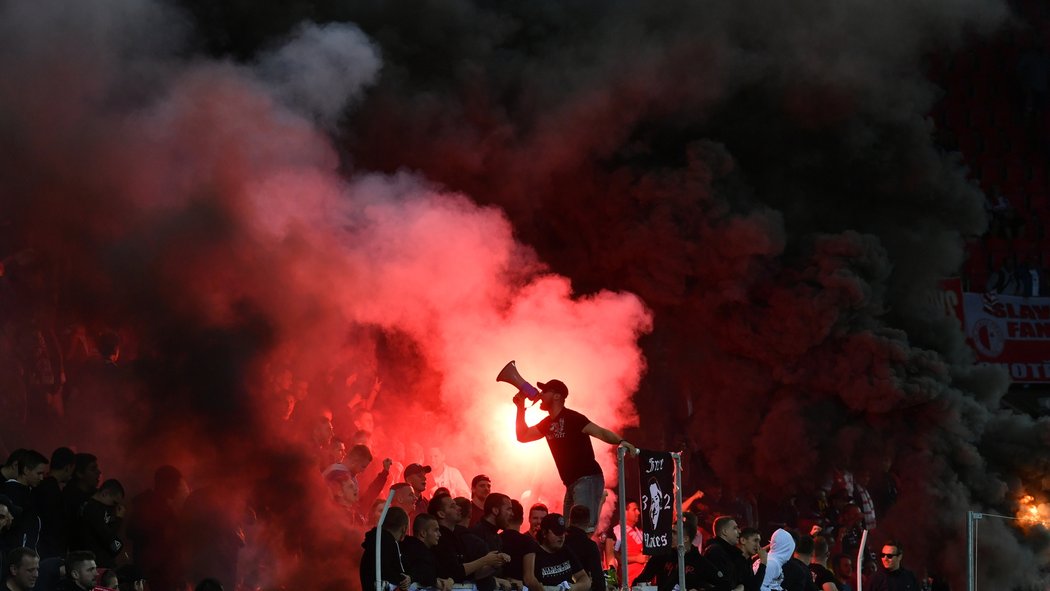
(892, 576)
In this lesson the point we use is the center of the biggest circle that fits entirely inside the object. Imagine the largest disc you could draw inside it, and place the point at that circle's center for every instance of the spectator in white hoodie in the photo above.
(781, 547)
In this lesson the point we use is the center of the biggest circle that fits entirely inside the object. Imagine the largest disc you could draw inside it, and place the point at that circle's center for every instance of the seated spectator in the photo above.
(516, 544)
(552, 565)
(395, 525)
(417, 553)
(99, 524)
(23, 569)
(586, 550)
(107, 581)
(842, 565)
(25, 530)
(755, 556)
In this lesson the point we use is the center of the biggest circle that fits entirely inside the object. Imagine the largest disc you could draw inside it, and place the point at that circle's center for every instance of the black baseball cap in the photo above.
(553, 522)
(417, 469)
(556, 386)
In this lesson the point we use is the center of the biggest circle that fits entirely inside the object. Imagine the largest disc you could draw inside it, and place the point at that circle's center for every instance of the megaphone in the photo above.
(510, 375)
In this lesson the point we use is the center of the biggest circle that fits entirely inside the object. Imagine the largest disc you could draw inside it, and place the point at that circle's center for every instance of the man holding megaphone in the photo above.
(568, 434)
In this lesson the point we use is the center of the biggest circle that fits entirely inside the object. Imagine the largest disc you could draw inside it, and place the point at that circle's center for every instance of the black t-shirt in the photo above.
(517, 545)
(580, 544)
(570, 446)
(796, 576)
(419, 561)
(553, 569)
(822, 575)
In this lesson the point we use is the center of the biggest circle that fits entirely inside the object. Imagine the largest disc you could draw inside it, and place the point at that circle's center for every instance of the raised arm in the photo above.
(524, 432)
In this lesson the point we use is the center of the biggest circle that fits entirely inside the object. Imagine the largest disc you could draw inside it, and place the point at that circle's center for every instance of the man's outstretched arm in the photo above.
(603, 434)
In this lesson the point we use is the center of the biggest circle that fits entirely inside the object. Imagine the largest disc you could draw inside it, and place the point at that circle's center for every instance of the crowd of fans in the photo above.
(64, 528)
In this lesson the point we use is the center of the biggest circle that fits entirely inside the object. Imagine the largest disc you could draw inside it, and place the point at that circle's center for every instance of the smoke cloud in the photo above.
(761, 177)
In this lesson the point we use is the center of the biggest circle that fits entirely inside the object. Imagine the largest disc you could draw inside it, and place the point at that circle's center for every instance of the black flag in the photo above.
(657, 481)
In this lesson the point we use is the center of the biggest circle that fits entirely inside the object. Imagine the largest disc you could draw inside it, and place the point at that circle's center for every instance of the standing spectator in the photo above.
(843, 568)
(755, 557)
(25, 531)
(892, 576)
(152, 528)
(416, 476)
(395, 525)
(568, 434)
(536, 514)
(797, 576)
(823, 578)
(455, 560)
(516, 544)
(86, 475)
(863, 496)
(54, 539)
(663, 568)
(417, 553)
(480, 487)
(781, 546)
(99, 525)
(23, 569)
(635, 557)
(445, 475)
(552, 564)
(585, 549)
(357, 459)
(404, 497)
(497, 517)
(730, 565)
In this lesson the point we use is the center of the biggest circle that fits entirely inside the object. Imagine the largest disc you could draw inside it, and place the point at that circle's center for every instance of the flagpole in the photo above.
(681, 517)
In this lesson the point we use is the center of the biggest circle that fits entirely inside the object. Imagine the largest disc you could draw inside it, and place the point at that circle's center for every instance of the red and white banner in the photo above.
(1011, 331)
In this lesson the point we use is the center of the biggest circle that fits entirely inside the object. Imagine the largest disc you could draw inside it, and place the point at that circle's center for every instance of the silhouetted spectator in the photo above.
(99, 524)
(54, 539)
(152, 528)
(25, 530)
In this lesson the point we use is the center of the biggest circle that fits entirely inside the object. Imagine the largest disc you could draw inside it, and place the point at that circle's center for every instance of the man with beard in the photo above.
(568, 435)
(497, 517)
(552, 565)
(480, 487)
(516, 544)
(457, 558)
